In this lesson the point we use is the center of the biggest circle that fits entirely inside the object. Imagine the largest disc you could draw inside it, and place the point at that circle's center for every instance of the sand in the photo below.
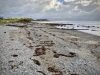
(40, 49)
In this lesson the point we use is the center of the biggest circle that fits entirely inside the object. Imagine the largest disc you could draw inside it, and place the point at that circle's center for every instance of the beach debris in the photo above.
(54, 70)
(10, 61)
(28, 32)
(76, 44)
(16, 25)
(16, 66)
(40, 51)
(24, 44)
(14, 55)
(54, 52)
(58, 74)
(36, 62)
(74, 39)
(37, 45)
(41, 72)
(47, 43)
(12, 39)
(71, 54)
(57, 24)
(74, 74)
(97, 45)
(21, 62)
(30, 38)
(31, 47)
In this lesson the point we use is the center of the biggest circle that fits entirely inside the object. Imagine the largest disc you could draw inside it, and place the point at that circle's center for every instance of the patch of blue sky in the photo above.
(61, 1)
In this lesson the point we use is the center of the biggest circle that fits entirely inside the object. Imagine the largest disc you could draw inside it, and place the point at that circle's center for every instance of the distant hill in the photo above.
(42, 20)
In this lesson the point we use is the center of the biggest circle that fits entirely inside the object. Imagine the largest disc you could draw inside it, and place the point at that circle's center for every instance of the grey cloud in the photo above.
(51, 9)
(88, 8)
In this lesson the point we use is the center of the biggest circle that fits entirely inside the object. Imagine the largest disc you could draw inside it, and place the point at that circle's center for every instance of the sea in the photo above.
(91, 27)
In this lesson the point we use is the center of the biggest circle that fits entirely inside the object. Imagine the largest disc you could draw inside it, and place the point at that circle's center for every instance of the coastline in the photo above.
(66, 52)
(86, 27)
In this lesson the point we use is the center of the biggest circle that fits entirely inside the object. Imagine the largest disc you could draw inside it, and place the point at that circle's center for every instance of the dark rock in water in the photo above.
(93, 30)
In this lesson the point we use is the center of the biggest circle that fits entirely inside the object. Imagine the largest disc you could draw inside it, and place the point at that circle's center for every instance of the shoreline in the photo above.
(91, 28)
(39, 49)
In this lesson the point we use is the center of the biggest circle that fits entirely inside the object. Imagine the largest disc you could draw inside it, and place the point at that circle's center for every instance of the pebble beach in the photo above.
(42, 49)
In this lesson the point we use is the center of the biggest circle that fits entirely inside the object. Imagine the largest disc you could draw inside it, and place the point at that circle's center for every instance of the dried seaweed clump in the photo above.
(36, 62)
(14, 55)
(71, 54)
(41, 72)
(40, 51)
(54, 70)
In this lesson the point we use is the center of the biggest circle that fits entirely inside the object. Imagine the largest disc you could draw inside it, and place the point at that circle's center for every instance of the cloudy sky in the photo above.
(52, 9)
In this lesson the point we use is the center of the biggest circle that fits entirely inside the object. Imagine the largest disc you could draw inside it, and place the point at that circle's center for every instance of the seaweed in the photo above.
(71, 54)
(41, 72)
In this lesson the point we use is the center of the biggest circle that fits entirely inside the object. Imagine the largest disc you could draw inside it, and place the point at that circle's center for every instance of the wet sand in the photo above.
(40, 49)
